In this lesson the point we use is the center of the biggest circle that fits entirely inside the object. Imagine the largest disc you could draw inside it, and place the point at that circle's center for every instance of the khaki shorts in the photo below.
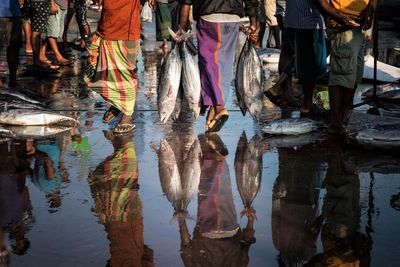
(270, 10)
(347, 56)
(55, 23)
(11, 32)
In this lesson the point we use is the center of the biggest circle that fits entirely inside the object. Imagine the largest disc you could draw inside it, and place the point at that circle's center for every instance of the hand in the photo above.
(253, 33)
(367, 16)
(348, 22)
(54, 8)
(152, 4)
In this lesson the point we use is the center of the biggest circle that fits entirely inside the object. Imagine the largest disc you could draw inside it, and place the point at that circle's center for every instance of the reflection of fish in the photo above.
(169, 174)
(37, 132)
(168, 84)
(381, 89)
(190, 177)
(252, 79)
(8, 94)
(291, 141)
(248, 168)
(384, 136)
(291, 126)
(17, 104)
(34, 117)
(190, 80)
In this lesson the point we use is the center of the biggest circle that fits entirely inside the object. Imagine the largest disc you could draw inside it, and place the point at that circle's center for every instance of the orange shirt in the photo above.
(120, 20)
(350, 8)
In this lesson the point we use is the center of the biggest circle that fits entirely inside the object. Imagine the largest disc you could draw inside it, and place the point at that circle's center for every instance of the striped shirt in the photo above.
(303, 14)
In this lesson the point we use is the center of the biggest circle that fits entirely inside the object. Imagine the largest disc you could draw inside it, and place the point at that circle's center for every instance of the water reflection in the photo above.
(114, 188)
(15, 204)
(295, 197)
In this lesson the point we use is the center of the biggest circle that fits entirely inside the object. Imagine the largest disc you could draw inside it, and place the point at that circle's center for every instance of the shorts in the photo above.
(26, 13)
(310, 53)
(55, 23)
(347, 56)
(270, 10)
(40, 12)
(11, 32)
(261, 13)
(81, 10)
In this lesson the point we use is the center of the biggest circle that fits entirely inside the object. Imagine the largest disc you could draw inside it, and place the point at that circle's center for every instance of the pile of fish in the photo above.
(179, 78)
(371, 131)
(389, 91)
(248, 169)
(179, 188)
(19, 109)
(249, 81)
(290, 126)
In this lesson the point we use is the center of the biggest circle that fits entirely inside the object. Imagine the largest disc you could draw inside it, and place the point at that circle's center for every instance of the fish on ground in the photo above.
(381, 89)
(291, 141)
(34, 117)
(253, 77)
(7, 95)
(6, 132)
(168, 84)
(18, 104)
(248, 169)
(290, 126)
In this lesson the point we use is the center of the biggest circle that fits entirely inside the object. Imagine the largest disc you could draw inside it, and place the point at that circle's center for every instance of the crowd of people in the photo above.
(308, 28)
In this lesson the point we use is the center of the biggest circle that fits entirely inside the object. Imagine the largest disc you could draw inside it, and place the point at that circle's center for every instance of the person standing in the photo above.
(11, 32)
(163, 22)
(217, 34)
(112, 60)
(347, 23)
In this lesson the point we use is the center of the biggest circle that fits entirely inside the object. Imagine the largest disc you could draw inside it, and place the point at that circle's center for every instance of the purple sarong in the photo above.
(217, 42)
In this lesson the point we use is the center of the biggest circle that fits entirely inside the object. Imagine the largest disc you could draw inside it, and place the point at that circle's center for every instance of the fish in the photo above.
(381, 89)
(269, 55)
(248, 168)
(291, 141)
(34, 117)
(178, 104)
(6, 132)
(190, 80)
(291, 126)
(190, 178)
(17, 104)
(168, 84)
(169, 175)
(36, 132)
(390, 95)
(239, 90)
(381, 136)
(253, 76)
(6, 95)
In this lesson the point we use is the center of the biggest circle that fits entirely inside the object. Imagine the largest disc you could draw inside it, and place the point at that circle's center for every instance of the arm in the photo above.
(250, 9)
(54, 8)
(329, 11)
(184, 15)
(368, 14)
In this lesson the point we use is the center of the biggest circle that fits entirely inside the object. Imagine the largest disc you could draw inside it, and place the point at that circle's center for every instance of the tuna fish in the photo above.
(291, 141)
(253, 76)
(34, 117)
(239, 90)
(178, 104)
(190, 80)
(6, 132)
(382, 136)
(390, 95)
(7, 95)
(381, 89)
(291, 126)
(190, 177)
(168, 84)
(17, 104)
(37, 132)
(248, 169)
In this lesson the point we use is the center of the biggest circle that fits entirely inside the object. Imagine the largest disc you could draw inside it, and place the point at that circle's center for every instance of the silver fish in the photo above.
(239, 90)
(248, 168)
(381, 89)
(253, 76)
(6, 132)
(190, 80)
(291, 141)
(178, 104)
(169, 175)
(382, 136)
(291, 126)
(9, 94)
(190, 177)
(168, 84)
(17, 104)
(390, 95)
(34, 117)
(37, 132)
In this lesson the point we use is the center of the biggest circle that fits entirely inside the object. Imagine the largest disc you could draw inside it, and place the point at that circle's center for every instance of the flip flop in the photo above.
(276, 100)
(29, 52)
(130, 129)
(111, 111)
(63, 63)
(219, 123)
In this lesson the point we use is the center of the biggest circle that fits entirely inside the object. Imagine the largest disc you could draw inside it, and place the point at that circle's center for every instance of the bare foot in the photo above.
(210, 116)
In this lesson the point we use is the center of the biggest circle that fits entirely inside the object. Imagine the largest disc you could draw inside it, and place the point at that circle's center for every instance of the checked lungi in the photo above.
(112, 71)
(217, 42)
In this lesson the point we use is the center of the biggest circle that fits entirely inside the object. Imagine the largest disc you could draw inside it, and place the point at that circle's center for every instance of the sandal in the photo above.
(111, 113)
(276, 100)
(63, 63)
(130, 128)
(219, 123)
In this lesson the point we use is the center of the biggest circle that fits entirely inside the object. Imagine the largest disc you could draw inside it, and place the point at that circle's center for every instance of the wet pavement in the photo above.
(88, 198)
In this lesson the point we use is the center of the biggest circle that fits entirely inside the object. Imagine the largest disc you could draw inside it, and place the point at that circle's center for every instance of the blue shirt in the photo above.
(303, 14)
(9, 8)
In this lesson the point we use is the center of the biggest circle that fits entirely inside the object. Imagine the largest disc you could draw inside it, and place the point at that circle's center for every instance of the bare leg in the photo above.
(335, 103)
(308, 90)
(261, 33)
(28, 37)
(269, 45)
(36, 44)
(53, 44)
(275, 32)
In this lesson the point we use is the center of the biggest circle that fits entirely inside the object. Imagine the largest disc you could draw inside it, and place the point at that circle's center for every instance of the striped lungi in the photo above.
(217, 42)
(163, 21)
(112, 71)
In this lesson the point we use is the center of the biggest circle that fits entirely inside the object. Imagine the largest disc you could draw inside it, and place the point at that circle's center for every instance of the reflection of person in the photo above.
(343, 242)
(114, 187)
(346, 29)
(217, 34)
(295, 204)
(15, 207)
(112, 63)
(217, 238)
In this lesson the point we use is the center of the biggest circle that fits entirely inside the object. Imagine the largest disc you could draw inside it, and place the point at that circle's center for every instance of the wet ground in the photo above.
(88, 198)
